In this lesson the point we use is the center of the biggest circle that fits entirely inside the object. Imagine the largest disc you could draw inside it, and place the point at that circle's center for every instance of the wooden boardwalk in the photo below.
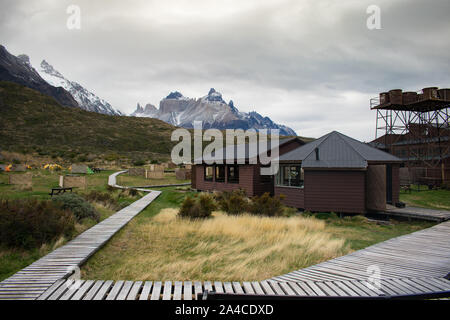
(32, 281)
(418, 213)
(411, 264)
(425, 253)
(188, 290)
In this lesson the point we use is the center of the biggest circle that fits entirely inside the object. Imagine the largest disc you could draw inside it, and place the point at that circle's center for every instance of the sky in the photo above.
(312, 65)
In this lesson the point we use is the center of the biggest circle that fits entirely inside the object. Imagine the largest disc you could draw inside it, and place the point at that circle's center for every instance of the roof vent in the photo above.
(317, 153)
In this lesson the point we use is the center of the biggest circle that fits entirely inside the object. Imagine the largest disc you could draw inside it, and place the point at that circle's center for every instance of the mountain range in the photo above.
(175, 109)
(211, 109)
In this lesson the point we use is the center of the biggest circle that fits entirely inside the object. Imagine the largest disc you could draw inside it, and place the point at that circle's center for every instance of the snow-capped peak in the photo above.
(86, 99)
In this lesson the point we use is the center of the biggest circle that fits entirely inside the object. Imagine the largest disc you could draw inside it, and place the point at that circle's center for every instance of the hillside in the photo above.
(33, 122)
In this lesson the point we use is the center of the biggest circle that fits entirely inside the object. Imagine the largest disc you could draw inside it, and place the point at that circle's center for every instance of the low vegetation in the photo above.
(32, 225)
(198, 207)
(29, 223)
(434, 199)
(76, 204)
(159, 245)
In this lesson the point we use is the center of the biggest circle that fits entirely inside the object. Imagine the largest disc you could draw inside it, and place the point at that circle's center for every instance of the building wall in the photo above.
(338, 191)
(294, 197)
(246, 177)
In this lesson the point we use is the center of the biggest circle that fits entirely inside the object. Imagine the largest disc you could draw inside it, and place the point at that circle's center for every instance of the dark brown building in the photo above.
(340, 174)
(227, 177)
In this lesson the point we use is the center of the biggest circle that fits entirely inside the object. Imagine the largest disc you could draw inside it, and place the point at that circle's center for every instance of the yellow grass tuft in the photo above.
(223, 248)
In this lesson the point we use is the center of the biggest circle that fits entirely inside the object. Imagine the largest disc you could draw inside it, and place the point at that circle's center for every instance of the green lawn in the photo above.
(433, 199)
(135, 181)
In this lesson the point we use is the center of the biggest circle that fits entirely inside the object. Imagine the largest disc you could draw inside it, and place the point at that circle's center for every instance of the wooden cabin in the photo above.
(336, 173)
(228, 177)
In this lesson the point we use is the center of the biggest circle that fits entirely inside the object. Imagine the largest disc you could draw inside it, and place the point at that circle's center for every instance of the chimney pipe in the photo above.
(317, 153)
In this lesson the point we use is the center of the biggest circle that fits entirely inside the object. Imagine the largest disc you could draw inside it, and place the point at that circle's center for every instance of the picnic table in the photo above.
(57, 191)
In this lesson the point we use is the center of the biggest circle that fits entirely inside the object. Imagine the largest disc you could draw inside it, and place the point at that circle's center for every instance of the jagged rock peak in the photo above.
(213, 95)
(48, 68)
(24, 58)
(174, 95)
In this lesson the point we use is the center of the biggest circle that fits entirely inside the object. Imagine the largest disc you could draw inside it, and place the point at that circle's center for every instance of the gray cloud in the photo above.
(312, 65)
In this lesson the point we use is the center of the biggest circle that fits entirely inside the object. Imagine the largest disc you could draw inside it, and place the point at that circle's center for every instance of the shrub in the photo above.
(29, 223)
(78, 205)
(138, 163)
(234, 202)
(265, 205)
(200, 207)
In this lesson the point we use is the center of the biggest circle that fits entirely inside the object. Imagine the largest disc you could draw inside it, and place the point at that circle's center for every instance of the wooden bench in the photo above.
(57, 191)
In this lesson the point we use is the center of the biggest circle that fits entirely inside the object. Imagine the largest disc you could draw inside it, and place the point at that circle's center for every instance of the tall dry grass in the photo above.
(221, 248)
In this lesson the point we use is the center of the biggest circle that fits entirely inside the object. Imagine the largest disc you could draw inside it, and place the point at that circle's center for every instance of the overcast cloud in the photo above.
(311, 65)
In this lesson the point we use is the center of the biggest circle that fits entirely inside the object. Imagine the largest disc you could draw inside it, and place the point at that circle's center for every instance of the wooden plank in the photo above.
(248, 287)
(60, 291)
(287, 289)
(228, 287)
(94, 289)
(122, 295)
(187, 290)
(178, 290)
(101, 294)
(266, 287)
(132, 295)
(237, 288)
(167, 293)
(146, 290)
(115, 290)
(156, 292)
(83, 289)
(218, 287)
(208, 286)
(197, 288)
(297, 289)
(51, 289)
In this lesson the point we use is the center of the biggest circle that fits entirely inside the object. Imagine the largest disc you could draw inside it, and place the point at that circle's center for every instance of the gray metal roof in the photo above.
(251, 150)
(337, 150)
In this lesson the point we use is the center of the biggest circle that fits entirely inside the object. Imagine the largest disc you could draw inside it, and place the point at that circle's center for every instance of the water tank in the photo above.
(384, 97)
(395, 96)
(409, 97)
(444, 94)
(430, 93)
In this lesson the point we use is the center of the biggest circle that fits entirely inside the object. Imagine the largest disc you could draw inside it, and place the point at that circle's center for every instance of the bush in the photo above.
(29, 223)
(138, 163)
(234, 202)
(78, 205)
(200, 207)
(265, 205)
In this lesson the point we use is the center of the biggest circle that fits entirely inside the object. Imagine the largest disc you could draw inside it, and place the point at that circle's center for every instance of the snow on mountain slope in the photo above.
(211, 109)
(86, 99)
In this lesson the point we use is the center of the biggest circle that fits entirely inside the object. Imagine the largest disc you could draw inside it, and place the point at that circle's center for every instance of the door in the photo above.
(376, 188)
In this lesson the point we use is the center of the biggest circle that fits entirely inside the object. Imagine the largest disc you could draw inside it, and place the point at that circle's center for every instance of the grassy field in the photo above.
(135, 181)
(157, 245)
(434, 199)
(14, 259)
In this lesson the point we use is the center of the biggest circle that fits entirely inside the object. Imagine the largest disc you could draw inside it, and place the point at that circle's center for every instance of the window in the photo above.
(220, 173)
(233, 174)
(208, 173)
(290, 176)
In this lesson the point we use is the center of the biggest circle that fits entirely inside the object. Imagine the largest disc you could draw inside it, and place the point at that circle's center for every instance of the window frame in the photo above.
(236, 170)
(216, 171)
(280, 179)
(212, 173)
